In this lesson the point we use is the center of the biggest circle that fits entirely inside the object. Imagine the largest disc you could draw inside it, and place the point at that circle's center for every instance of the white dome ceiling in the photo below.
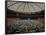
(26, 7)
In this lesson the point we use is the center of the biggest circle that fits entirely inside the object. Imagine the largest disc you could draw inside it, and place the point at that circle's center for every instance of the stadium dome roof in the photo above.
(25, 7)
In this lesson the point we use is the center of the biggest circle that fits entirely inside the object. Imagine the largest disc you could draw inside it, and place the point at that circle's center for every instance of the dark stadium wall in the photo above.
(11, 20)
(41, 20)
